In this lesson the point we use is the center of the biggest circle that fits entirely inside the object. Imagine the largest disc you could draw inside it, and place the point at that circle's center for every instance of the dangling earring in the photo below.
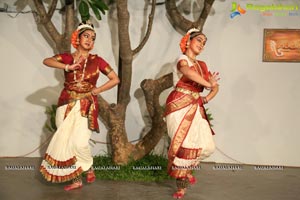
(187, 45)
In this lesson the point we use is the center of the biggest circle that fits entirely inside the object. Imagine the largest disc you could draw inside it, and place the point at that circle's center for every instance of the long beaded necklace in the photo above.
(198, 67)
(78, 82)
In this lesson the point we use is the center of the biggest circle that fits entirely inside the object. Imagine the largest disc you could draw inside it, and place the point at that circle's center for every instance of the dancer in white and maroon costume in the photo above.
(68, 154)
(187, 123)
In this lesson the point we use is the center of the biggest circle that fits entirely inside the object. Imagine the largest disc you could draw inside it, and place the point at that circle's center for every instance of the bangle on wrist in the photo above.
(93, 93)
(67, 68)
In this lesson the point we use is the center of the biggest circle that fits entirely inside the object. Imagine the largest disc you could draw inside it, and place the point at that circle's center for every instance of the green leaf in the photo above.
(100, 2)
(85, 18)
(53, 124)
(100, 5)
(83, 8)
(84, 11)
(95, 10)
(54, 107)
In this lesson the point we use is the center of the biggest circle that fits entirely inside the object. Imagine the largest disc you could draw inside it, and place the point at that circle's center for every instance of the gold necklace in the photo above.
(78, 82)
(193, 60)
(198, 67)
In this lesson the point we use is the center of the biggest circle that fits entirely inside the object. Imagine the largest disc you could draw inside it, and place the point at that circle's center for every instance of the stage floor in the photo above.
(20, 179)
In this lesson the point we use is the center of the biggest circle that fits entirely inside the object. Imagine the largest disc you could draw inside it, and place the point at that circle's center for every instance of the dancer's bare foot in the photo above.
(192, 179)
(73, 186)
(179, 193)
(90, 176)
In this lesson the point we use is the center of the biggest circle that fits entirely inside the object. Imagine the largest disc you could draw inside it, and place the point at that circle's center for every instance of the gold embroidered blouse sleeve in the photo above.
(58, 58)
(107, 70)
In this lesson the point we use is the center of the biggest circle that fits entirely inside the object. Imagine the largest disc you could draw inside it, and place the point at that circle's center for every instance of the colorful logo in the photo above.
(236, 9)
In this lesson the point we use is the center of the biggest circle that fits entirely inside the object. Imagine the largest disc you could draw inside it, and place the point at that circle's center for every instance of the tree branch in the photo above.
(152, 90)
(46, 21)
(108, 111)
(52, 8)
(183, 24)
(103, 108)
(176, 19)
(204, 14)
(69, 25)
(149, 28)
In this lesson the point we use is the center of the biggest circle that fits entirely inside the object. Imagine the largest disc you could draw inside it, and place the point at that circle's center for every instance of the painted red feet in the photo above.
(90, 177)
(192, 179)
(73, 186)
(179, 194)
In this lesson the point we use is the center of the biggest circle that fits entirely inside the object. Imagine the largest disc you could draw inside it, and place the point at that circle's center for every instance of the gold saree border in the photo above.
(59, 179)
(179, 137)
(188, 154)
(179, 103)
(54, 162)
(177, 172)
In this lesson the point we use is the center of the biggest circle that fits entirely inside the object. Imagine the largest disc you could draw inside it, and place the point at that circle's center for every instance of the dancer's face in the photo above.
(197, 44)
(87, 39)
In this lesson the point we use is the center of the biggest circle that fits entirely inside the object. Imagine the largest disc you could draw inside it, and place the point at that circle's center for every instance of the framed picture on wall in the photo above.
(281, 45)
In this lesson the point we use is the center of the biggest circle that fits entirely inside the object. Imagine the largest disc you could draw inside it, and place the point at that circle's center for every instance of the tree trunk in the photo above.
(183, 24)
(122, 150)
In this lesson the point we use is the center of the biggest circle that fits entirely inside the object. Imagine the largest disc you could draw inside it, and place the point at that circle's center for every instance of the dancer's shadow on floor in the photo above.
(46, 97)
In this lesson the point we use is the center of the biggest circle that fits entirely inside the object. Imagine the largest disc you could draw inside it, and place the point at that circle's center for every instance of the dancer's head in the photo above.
(194, 39)
(84, 36)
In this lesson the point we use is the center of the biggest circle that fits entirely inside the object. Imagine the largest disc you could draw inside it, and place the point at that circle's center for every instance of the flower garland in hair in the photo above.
(74, 39)
(193, 30)
(183, 42)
